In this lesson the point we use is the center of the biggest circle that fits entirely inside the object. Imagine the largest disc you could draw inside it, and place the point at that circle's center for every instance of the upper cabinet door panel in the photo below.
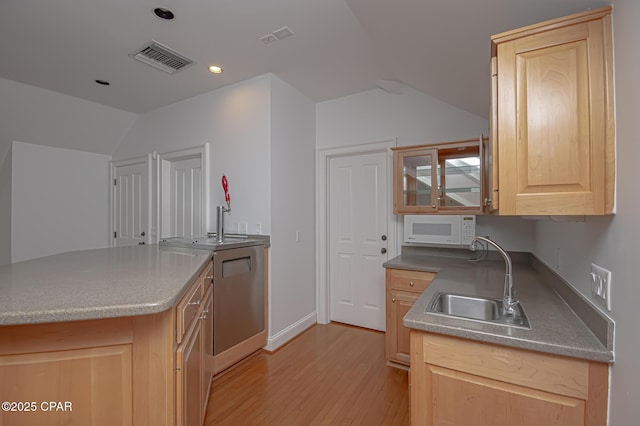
(555, 119)
(554, 144)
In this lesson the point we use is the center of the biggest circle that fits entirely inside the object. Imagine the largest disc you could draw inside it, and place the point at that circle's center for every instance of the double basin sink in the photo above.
(477, 309)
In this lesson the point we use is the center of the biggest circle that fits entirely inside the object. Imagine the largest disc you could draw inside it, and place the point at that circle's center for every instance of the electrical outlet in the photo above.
(601, 285)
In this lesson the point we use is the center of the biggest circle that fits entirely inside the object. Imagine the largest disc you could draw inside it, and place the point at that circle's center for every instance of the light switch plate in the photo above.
(601, 285)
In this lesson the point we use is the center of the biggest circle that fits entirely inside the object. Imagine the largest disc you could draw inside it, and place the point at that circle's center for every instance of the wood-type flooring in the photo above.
(329, 375)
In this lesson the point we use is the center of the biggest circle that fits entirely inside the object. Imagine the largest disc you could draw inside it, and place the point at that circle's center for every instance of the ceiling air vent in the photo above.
(161, 57)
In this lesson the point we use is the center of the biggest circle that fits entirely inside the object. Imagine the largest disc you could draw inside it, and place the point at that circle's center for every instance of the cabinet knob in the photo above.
(411, 283)
(142, 234)
(383, 250)
(433, 206)
(383, 238)
(393, 300)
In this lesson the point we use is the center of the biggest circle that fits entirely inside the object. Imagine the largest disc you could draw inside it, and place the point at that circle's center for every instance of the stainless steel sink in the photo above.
(477, 309)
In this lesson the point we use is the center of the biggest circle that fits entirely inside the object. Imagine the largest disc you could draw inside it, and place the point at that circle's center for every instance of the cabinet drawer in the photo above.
(548, 373)
(188, 307)
(413, 281)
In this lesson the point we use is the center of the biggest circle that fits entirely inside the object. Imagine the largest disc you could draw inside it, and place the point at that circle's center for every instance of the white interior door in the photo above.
(358, 209)
(130, 203)
(186, 199)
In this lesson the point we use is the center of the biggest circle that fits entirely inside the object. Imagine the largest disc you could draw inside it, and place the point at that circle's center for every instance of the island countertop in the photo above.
(555, 327)
(99, 283)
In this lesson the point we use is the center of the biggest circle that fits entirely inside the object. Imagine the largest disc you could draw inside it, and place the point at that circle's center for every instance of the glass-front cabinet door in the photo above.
(441, 178)
(419, 179)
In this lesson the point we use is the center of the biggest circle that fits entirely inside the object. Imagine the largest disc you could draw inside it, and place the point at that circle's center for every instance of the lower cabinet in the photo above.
(207, 347)
(403, 287)
(147, 370)
(190, 378)
(462, 382)
(95, 382)
(194, 353)
(397, 335)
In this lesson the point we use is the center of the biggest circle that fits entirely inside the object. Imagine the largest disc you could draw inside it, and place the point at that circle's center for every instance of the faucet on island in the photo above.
(220, 211)
(509, 302)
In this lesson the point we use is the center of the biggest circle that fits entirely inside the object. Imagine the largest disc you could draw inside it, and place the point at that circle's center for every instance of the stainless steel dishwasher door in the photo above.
(238, 296)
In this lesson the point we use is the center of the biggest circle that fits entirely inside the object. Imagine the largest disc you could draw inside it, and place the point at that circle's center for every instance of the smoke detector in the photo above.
(161, 57)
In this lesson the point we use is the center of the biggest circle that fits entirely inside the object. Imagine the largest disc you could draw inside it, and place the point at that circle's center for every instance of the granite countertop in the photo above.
(555, 327)
(100, 283)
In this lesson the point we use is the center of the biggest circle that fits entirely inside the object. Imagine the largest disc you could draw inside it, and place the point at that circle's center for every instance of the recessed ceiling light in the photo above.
(215, 69)
(103, 82)
(163, 13)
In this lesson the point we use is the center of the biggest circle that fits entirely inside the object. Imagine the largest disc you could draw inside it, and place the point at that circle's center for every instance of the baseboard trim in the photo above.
(282, 337)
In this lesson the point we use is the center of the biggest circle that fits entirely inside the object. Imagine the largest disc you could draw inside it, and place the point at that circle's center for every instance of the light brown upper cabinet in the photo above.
(439, 179)
(552, 124)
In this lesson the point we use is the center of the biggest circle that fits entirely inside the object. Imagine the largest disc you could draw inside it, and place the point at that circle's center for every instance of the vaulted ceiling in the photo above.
(338, 47)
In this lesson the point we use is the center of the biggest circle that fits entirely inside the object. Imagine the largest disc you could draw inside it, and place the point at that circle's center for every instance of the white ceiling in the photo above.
(339, 47)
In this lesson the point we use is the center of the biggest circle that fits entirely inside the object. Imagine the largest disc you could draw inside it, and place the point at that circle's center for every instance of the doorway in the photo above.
(357, 233)
(183, 193)
(130, 201)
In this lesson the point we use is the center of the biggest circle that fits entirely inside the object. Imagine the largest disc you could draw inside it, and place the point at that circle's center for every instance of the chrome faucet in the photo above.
(509, 302)
(220, 210)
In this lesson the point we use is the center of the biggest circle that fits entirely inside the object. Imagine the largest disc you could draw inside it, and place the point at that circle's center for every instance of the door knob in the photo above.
(383, 238)
(383, 250)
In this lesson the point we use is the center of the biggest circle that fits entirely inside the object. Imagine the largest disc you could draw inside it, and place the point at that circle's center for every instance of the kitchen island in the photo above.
(101, 335)
(471, 372)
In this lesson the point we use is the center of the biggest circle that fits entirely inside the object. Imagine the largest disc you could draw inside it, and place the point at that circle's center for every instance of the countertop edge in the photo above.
(511, 342)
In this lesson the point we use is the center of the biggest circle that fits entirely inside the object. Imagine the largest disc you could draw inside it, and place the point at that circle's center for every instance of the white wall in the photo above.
(236, 122)
(261, 134)
(5, 210)
(512, 233)
(373, 116)
(611, 242)
(59, 200)
(292, 206)
(34, 115)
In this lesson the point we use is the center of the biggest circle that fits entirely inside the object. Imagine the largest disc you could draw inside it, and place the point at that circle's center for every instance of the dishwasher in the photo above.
(238, 296)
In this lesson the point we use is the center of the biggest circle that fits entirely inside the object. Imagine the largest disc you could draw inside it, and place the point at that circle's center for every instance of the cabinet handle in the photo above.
(393, 300)
(194, 303)
(411, 283)
(204, 315)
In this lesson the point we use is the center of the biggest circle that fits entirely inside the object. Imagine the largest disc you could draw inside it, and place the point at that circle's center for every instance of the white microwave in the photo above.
(440, 229)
